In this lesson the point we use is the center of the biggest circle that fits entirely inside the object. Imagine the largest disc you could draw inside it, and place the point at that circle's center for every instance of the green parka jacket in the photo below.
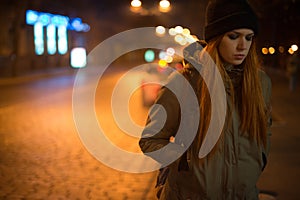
(229, 172)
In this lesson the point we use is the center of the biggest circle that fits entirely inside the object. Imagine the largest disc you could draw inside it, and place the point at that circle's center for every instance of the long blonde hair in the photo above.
(250, 101)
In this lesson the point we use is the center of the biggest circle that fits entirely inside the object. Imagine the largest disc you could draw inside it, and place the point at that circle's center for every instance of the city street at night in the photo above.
(78, 78)
(42, 156)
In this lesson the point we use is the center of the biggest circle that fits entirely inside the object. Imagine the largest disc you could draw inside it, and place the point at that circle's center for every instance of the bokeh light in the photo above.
(294, 47)
(160, 30)
(271, 50)
(281, 49)
(149, 55)
(136, 3)
(265, 50)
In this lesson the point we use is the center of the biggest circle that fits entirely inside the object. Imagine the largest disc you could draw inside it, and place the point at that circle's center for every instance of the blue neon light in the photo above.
(38, 38)
(76, 24)
(53, 23)
(62, 40)
(32, 17)
(59, 20)
(44, 19)
(51, 39)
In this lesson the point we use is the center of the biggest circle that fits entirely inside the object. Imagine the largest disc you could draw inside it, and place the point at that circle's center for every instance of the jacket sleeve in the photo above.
(162, 123)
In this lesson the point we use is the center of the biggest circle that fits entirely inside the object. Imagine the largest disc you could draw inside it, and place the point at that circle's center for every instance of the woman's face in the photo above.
(235, 45)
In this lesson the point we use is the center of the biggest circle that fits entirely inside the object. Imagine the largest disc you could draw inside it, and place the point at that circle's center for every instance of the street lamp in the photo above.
(164, 6)
(135, 5)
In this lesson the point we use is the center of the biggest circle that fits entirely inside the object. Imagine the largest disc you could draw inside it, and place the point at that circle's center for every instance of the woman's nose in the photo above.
(242, 44)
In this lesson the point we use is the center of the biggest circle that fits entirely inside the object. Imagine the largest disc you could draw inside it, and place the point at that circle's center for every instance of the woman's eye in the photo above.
(233, 36)
(249, 37)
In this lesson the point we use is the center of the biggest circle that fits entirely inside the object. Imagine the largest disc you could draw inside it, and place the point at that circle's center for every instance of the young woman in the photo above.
(232, 167)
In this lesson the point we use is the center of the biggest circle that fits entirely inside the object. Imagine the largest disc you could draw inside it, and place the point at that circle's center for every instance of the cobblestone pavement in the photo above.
(42, 156)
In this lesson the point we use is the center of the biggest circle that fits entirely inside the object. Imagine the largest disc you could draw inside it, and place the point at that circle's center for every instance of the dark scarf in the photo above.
(235, 74)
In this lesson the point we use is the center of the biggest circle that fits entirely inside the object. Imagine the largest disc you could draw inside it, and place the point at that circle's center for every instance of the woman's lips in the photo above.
(239, 56)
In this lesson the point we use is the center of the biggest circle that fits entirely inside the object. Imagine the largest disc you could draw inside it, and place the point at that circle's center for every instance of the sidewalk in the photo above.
(281, 176)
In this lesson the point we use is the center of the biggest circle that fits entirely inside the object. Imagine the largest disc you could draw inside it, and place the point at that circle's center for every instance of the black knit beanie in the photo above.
(226, 15)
